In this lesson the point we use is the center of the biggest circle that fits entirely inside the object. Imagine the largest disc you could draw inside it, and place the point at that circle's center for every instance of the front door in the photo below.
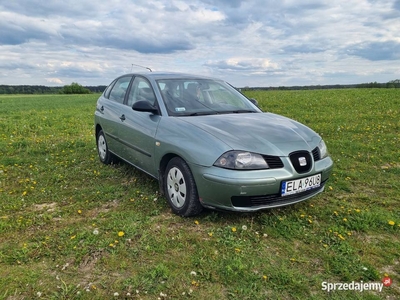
(138, 132)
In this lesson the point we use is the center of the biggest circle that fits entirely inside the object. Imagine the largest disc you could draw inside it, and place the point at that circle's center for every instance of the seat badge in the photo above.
(302, 161)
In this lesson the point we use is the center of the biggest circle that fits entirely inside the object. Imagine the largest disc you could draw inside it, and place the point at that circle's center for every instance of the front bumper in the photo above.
(246, 191)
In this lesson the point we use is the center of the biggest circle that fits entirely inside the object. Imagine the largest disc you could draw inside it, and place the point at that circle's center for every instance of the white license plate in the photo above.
(300, 185)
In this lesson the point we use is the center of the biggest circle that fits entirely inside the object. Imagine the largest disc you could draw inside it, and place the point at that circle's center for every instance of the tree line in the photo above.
(76, 88)
(73, 88)
(388, 85)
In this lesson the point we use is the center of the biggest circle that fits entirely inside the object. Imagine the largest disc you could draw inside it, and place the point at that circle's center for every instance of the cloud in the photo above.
(224, 3)
(376, 51)
(243, 64)
(396, 5)
(55, 80)
(303, 48)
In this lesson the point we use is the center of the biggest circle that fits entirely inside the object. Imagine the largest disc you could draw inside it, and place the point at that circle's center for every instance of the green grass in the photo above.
(72, 228)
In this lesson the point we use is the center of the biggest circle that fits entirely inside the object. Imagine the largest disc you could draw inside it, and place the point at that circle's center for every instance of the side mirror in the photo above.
(144, 106)
(254, 101)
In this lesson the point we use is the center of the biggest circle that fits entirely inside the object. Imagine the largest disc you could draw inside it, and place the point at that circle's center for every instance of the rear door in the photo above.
(110, 107)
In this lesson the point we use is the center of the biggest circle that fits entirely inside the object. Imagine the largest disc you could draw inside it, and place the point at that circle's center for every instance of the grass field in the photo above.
(72, 228)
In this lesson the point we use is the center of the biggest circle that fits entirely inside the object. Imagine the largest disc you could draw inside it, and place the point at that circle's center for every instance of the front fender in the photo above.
(193, 144)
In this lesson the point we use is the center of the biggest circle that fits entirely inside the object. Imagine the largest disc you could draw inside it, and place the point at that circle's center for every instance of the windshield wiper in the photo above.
(203, 113)
(238, 111)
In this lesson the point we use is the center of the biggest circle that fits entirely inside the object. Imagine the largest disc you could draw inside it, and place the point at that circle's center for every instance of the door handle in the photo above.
(122, 118)
(102, 108)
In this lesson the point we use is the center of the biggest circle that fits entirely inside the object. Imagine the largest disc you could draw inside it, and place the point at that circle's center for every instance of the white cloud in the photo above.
(252, 65)
(54, 80)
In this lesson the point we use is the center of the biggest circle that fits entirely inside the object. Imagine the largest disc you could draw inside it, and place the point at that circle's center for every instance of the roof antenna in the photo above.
(141, 67)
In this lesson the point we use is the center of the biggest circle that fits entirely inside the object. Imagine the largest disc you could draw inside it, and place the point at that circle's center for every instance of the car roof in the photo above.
(171, 75)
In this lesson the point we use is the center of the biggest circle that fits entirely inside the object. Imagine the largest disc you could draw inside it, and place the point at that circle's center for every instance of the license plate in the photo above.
(300, 185)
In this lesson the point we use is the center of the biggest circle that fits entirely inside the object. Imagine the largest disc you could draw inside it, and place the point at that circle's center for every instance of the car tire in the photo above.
(180, 189)
(105, 156)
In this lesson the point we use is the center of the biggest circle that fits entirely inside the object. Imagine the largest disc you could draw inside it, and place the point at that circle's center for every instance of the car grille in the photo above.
(274, 162)
(296, 157)
(272, 200)
(316, 154)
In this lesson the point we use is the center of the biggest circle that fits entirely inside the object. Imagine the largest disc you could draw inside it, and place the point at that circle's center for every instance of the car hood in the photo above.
(263, 133)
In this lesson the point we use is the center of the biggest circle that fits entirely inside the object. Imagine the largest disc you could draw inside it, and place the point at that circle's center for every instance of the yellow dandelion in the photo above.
(292, 259)
(237, 250)
(309, 221)
(233, 229)
(302, 216)
(330, 188)
(210, 234)
(265, 277)
(391, 223)
(196, 222)
(79, 211)
(121, 233)
(24, 193)
(195, 283)
(344, 219)
(341, 237)
(72, 237)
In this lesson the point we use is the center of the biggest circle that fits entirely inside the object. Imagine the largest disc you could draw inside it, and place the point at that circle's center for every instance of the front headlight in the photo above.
(241, 160)
(322, 149)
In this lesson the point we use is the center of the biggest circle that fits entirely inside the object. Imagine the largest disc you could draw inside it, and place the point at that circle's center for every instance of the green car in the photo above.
(207, 144)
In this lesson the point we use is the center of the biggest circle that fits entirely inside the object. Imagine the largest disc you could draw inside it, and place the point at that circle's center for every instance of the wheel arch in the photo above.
(97, 130)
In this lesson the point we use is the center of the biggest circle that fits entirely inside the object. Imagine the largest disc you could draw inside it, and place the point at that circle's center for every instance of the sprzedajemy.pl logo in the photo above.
(356, 286)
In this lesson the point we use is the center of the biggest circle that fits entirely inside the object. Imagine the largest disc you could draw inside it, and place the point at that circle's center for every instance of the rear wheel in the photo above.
(106, 157)
(180, 189)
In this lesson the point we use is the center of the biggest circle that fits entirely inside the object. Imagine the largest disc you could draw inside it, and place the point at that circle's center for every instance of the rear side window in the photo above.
(108, 90)
(119, 89)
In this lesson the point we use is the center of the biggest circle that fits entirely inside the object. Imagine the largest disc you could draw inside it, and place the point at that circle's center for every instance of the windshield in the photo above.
(190, 97)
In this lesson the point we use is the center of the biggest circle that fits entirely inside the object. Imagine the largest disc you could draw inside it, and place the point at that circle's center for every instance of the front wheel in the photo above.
(180, 189)
(106, 157)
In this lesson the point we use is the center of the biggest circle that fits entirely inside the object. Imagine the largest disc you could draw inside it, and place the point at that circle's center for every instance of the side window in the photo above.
(108, 90)
(118, 91)
(141, 90)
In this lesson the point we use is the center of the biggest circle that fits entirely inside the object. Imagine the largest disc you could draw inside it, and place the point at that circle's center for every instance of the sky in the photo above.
(259, 43)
